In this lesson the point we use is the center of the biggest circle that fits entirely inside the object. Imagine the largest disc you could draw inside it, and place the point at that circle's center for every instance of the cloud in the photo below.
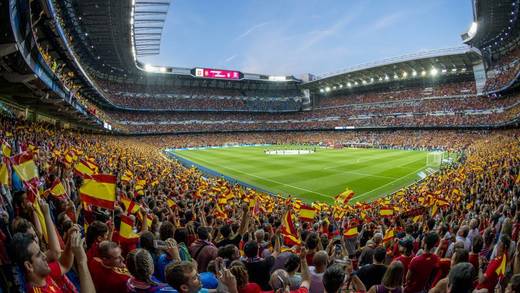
(251, 30)
(230, 58)
(387, 21)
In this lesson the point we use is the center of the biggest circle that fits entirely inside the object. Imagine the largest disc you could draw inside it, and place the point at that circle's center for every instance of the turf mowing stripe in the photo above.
(304, 176)
(267, 179)
(405, 176)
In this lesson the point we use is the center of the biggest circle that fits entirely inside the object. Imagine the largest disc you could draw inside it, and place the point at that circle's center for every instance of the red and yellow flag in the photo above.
(25, 167)
(6, 149)
(57, 189)
(126, 229)
(130, 205)
(351, 232)
(289, 232)
(501, 270)
(100, 190)
(82, 169)
(218, 213)
(386, 212)
(307, 213)
(389, 235)
(5, 172)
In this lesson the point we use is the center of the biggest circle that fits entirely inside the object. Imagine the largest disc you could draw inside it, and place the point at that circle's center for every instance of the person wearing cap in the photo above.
(406, 250)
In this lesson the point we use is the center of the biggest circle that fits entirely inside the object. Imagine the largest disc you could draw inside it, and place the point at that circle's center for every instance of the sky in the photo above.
(293, 37)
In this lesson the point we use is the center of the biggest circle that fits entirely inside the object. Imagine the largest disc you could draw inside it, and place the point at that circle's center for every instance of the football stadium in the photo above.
(259, 146)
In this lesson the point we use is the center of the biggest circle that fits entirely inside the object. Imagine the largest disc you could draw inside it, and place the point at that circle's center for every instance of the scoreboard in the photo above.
(217, 73)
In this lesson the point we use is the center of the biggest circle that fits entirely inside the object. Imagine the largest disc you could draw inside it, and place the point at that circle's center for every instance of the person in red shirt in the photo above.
(97, 232)
(490, 278)
(108, 270)
(406, 254)
(423, 267)
(41, 276)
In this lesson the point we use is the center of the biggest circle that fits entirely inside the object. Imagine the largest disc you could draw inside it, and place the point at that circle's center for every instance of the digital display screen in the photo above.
(217, 73)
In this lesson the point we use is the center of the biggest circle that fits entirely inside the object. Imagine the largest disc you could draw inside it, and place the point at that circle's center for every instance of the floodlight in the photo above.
(322, 90)
(327, 89)
(340, 86)
(386, 77)
(454, 70)
(405, 74)
(371, 79)
(356, 83)
(395, 76)
(423, 73)
(434, 71)
(363, 81)
(414, 73)
(349, 84)
(444, 71)
(380, 79)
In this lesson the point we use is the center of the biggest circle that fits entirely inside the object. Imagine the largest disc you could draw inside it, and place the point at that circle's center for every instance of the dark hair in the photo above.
(225, 230)
(380, 254)
(166, 230)
(140, 264)
(312, 240)
(506, 241)
(240, 273)
(333, 278)
(461, 278)
(226, 251)
(460, 256)
(203, 233)
(515, 283)
(146, 241)
(21, 225)
(393, 276)
(431, 240)
(95, 229)
(176, 274)
(20, 248)
(251, 249)
(478, 243)
(292, 263)
(181, 235)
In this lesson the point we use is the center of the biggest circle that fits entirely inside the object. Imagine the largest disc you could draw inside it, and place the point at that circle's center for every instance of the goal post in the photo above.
(434, 159)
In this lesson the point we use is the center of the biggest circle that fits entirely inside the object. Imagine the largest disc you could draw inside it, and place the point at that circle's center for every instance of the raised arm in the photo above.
(85, 279)
(306, 275)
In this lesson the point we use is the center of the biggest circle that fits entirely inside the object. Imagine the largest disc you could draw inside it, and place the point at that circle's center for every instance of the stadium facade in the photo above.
(76, 63)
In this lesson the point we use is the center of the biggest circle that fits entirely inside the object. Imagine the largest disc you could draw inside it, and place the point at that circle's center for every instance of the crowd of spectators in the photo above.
(157, 97)
(426, 112)
(415, 93)
(503, 71)
(455, 231)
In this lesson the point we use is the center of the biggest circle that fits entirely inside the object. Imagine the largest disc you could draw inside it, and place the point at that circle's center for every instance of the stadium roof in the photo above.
(447, 61)
(495, 23)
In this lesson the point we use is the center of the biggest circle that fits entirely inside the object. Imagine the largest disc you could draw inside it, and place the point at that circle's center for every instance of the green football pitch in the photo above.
(318, 176)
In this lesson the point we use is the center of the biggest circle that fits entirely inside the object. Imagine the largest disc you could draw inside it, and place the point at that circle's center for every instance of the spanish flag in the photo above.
(389, 235)
(5, 172)
(170, 202)
(290, 235)
(130, 206)
(218, 213)
(6, 149)
(126, 230)
(100, 190)
(501, 270)
(386, 212)
(57, 189)
(344, 197)
(351, 232)
(91, 163)
(82, 169)
(25, 167)
(307, 213)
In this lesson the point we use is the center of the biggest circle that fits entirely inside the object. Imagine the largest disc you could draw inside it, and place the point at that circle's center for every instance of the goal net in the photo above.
(434, 159)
